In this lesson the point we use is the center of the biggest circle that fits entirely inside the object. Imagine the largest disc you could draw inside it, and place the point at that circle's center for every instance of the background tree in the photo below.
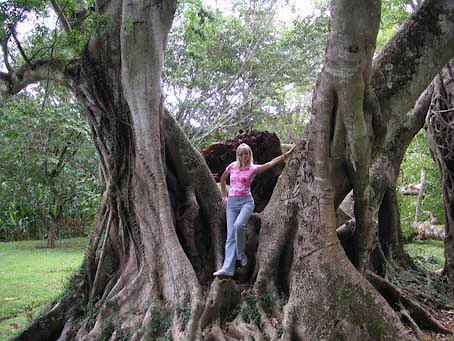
(158, 234)
(228, 71)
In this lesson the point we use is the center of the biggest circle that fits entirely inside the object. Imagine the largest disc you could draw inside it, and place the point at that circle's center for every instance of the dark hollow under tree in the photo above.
(160, 229)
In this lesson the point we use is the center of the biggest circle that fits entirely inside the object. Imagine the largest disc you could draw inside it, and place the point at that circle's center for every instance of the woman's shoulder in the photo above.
(254, 167)
(230, 166)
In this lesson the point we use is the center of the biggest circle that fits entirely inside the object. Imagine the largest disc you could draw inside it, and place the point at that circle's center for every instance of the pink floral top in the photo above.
(240, 180)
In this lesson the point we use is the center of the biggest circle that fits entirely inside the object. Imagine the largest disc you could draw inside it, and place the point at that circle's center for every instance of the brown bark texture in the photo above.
(160, 229)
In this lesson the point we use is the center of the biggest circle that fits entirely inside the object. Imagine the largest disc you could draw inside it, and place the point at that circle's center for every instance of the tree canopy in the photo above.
(226, 71)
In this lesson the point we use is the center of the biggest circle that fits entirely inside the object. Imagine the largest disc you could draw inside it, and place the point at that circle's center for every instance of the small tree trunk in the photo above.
(56, 221)
(439, 133)
(422, 186)
(52, 234)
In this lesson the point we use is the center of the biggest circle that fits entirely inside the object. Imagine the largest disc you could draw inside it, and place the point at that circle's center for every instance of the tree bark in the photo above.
(160, 228)
(439, 133)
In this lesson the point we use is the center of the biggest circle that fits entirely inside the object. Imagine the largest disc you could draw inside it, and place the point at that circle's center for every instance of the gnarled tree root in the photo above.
(411, 311)
(238, 312)
(223, 297)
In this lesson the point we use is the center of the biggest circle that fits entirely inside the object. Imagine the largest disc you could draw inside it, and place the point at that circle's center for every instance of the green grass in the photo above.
(428, 254)
(30, 276)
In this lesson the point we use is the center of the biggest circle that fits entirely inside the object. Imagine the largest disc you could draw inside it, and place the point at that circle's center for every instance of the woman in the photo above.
(240, 203)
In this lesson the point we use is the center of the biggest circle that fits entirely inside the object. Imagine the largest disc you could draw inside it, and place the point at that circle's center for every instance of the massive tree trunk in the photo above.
(160, 229)
(440, 135)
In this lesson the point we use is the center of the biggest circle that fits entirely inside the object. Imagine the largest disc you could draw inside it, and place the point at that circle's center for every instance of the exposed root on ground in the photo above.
(410, 310)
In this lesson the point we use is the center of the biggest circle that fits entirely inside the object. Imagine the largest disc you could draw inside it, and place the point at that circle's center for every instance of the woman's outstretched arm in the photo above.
(274, 162)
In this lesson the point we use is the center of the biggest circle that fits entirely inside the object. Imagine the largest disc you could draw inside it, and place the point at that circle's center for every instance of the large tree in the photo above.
(160, 228)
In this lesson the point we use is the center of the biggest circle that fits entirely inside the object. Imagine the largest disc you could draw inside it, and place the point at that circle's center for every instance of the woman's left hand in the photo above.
(287, 153)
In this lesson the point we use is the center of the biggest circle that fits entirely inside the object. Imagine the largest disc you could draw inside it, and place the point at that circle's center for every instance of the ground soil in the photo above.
(434, 294)
(447, 318)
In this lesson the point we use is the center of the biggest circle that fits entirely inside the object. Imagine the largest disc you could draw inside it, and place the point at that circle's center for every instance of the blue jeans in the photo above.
(239, 210)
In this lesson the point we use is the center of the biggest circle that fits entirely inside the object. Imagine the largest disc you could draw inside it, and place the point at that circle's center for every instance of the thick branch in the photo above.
(410, 60)
(19, 46)
(400, 136)
(62, 72)
(5, 55)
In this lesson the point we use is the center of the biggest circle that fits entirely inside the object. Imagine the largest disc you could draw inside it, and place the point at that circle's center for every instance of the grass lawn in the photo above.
(428, 254)
(30, 276)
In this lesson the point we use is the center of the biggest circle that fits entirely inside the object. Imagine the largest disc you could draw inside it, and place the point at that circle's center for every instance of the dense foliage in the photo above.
(394, 12)
(47, 164)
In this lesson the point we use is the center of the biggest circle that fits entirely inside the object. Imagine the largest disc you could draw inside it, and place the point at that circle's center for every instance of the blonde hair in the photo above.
(238, 164)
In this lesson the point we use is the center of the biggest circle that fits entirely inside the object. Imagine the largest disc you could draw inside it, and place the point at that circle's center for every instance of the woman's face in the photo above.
(243, 156)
